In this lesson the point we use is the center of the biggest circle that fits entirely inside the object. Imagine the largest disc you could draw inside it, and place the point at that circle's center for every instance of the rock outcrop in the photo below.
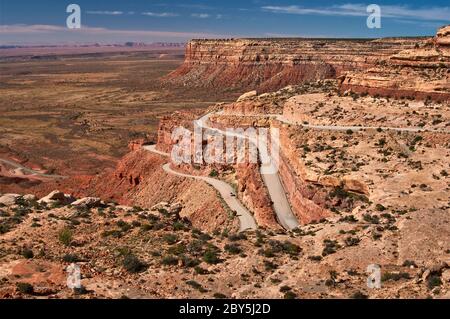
(422, 72)
(271, 64)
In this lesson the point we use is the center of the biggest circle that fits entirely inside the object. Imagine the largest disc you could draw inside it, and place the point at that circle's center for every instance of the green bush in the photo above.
(124, 226)
(169, 260)
(170, 239)
(433, 281)
(290, 295)
(132, 264)
(65, 236)
(211, 257)
(233, 249)
(213, 173)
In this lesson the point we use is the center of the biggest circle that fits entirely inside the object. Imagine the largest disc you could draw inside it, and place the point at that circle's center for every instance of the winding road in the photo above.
(31, 171)
(269, 173)
(282, 208)
(225, 190)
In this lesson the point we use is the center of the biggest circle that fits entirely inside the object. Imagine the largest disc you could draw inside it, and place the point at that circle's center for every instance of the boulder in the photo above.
(9, 199)
(89, 202)
(56, 197)
(161, 205)
(29, 197)
(357, 186)
(175, 208)
(446, 276)
(330, 181)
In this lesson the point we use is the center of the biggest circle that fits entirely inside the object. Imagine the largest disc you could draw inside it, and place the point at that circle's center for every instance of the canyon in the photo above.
(364, 149)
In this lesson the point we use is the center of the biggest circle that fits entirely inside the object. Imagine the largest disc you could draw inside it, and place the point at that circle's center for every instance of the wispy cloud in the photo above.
(200, 15)
(350, 9)
(160, 14)
(111, 13)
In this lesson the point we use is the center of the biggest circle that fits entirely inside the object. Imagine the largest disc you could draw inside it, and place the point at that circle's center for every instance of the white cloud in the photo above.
(111, 13)
(160, 14)
(200, 15)
(350, 9)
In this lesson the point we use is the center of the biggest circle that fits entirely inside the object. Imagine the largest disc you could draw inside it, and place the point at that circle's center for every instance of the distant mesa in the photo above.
(271, 64)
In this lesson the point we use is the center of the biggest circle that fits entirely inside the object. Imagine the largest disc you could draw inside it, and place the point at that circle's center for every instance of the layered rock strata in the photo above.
(422, 72)
(271, 64)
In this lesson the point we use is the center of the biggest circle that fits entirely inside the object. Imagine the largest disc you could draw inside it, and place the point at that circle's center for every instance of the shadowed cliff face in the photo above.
(418, 73)
(271, 64)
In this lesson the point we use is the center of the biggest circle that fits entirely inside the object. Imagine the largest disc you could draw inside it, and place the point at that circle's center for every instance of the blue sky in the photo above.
(113, 21)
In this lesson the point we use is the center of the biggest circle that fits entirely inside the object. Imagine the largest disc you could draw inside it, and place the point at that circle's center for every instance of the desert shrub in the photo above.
(190, 262)
(27, 253)
(395, 276)
(233, 249)
(291, 249)
(270, 265)
(290, 295)
(170, 239)
(25, 288)
(177, 226)
(177, 249)
(352, 241)
(237, 237)
(80, 290)
(219, 295)
(315, 258)
(285, 289)
(136, 223)
(213, 173)
(196, 285)
(433, 281)
(70, 258)
(201, 271)
(146, 227)
(359, 295)
(198, 234)
(65, 236)
(268, 253)
(331, 247)
(348, 219)
(124, 226)
(211, 257)
(372, 219)
(132, 264)
(115, 233)
(169, 260)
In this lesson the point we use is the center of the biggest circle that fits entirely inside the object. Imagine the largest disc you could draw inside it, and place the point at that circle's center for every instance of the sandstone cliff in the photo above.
(421, 72)
(270, 64)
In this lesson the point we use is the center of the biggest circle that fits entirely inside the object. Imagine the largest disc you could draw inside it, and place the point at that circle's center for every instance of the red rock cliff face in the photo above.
(422, 72)
(270, 64)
